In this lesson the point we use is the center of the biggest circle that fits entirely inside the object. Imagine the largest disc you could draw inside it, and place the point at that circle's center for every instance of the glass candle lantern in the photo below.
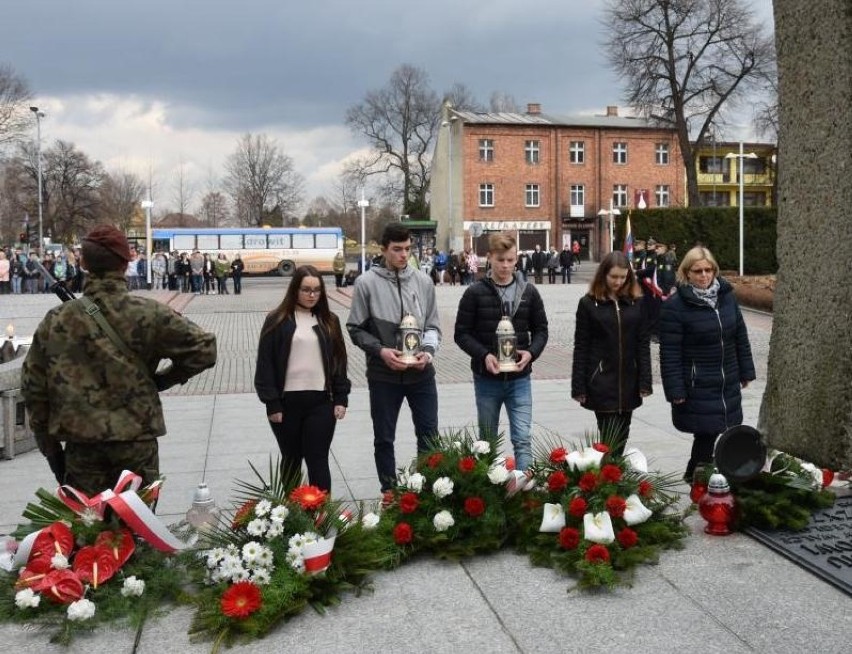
(507, 345)
(203, 513)
(409, 339)
(717, 506)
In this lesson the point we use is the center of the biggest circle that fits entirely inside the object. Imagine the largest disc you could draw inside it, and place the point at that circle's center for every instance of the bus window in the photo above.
(208, 242)
(184, 242)
(279, 241)
(303, 241)
(231, 241)
(255, 241)
(327, 241)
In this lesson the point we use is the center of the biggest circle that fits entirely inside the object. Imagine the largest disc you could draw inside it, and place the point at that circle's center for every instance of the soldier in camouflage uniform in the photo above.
(80, 388)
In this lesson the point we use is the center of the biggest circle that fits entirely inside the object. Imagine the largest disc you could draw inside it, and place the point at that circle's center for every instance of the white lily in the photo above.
(636, 513)
(636, 460)
(597, 527)
(552, 518)
(584, 459)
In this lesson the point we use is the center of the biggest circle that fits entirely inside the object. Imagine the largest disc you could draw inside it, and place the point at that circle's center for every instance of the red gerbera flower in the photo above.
(627, 538)
(557, 481)
(467, 464)
(558, 455)
(435, 460)
(588, 482)
(577, 507)
(403, 533)
(611, 473)
(569, 538)
(600, 447)
(243, 514)
(646, 488)
(615, 506)
(241, 600)
(409, 502)
(597, 554)
(509, 463)
(308, 497)
(474, 506)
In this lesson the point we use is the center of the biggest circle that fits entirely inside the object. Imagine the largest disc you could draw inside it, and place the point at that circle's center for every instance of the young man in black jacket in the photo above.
(503, 293)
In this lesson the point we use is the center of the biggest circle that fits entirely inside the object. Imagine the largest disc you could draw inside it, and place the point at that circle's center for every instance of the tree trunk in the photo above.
(807, 405)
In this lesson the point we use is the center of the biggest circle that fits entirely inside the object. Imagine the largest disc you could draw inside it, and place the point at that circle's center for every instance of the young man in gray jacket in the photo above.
(383, 296)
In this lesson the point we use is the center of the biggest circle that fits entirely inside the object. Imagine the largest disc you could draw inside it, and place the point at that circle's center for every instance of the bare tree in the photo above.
(684, 62)
(502, 102)
(183, 190)
(214, 209)
(400, 122)
(262, 182)
(463, 99)
(15, 96)
(121, 195)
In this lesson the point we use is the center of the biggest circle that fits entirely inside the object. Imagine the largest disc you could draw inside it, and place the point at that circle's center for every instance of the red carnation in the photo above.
(510, 463)
(615, 506)
(558, 455)
(308, 497)
(569, 538)
(600, 447)
(627, 538)
(241, 600)
(403, 533)
(588, 482)
(577, 507)
(557, 481)
(467, 464)
(474, 506)
(409, 502)
(435, 460)
(646, 488)
(597, 554)
(611, 473)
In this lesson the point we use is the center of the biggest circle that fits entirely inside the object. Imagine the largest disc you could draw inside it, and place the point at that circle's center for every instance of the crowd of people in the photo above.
(19, 273)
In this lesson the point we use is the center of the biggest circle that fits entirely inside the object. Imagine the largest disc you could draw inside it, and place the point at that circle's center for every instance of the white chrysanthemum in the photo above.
(262, 508)
(27, 599)
(80, 610)
(276, 528)
(415, 482)
(265, 557)
(239, 575)
(232, 549)
(294, 552)
(232, 560)
(311, 537)
(481, 447)
(443, 520)
(297, 541)
(370, 520)
(298, 564)
(257, 527)
(498, 475)
(59, 562)
(133, 587)
(279, 513)
(442, 487)
(261, 576)
(250, 551)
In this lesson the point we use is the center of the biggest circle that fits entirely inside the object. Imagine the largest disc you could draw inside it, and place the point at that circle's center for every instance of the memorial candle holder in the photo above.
(507, 345)
(410, 340)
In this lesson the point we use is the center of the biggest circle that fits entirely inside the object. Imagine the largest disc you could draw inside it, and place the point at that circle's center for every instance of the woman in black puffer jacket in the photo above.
(705, 356)
(611, 371)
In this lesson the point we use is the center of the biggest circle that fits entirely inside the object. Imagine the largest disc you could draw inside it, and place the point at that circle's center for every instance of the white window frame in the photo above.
(532, 152)
(619, 195)
(663, 195)
(662, 154)
(619, 153)
(486, 149)
(577, 152)
(486, 195)
(532, 195)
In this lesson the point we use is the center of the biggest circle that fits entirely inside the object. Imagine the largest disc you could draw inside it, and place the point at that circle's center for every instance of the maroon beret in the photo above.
(112, 239)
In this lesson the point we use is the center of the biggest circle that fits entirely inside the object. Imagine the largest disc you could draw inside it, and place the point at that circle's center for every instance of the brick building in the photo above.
(547, 178)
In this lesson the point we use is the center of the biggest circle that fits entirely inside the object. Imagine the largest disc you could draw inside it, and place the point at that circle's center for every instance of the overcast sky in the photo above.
(141, 85)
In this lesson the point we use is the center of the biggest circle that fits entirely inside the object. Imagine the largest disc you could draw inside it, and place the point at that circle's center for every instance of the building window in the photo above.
(711, 165)
(577, 152)
(532, 197)
(662, 154)
(662, 193)
(486, 195)
(714, 199)
(532, 151)
(486, 149)
(754, 166)
(619, 195)
(754, 199)
(578, 195)
(619, 153)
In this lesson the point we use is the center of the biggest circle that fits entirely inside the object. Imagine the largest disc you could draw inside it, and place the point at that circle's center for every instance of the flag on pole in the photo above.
(628, 240)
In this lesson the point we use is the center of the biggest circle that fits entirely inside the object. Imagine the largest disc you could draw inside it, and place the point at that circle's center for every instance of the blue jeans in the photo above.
(385, 402)
(516, 394)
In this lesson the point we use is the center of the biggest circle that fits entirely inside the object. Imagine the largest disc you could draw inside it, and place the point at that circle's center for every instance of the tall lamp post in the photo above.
(147, 205)
(38, 116)
(363, 203)
(741, 157)
(612, 213)
(450, 226)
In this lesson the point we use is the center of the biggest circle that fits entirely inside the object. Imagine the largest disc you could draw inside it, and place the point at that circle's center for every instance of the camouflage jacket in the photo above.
(79, 387)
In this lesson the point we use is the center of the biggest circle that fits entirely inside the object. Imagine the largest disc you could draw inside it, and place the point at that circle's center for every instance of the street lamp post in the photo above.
(741, 157)
(147, 205)
(450, 225)
(363, 203)
(611, 213)
(38, 116)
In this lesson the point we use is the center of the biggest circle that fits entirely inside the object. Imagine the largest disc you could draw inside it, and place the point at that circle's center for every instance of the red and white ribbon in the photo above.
(317, 555)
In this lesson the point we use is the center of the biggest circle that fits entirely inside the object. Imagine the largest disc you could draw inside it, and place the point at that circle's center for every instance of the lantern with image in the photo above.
(409, 339)
(507, 345)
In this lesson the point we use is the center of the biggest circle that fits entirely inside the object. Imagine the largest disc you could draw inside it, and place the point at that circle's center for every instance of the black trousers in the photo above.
(616, 426)
(702, 452)
(305, 434)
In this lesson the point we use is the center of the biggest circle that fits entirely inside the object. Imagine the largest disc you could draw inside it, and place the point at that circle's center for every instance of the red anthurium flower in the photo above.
(474, 506)
(53, 540)
(62, 587)
(597, 554)
(435, 460)
(615, 506)
(569, 538)
(241, 600)
(29, 578)
(646, 488)
(403, 533)
(557, 455)
(611, 473)
(95, 564)
(308, 497)
(577, 507)
(588, 482)
(557, 481)
(120, 544)
(467, 464)
(409, 502)
(827, 477)
(600, 447)
(627, 538)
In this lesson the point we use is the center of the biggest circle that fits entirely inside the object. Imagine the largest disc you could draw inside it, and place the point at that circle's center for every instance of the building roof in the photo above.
(506, 118)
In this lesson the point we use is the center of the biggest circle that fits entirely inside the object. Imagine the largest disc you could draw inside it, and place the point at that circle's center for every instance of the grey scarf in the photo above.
(708, 295)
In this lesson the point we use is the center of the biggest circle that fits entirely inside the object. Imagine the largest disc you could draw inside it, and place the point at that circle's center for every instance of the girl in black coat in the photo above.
(301, 376)
(705, 356)
(611, 372)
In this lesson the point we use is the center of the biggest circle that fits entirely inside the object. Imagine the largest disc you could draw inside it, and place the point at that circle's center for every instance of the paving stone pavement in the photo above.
(716, 595)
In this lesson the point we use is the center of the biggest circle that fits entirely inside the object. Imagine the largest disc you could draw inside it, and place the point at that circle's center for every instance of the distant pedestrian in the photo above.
(575, 251)
(221, 268)
(539, 261)
(338, 267)
(552, 265)
(565, 263)
(237, 267)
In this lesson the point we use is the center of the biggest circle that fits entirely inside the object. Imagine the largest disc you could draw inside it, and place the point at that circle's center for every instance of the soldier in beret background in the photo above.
(82, 390)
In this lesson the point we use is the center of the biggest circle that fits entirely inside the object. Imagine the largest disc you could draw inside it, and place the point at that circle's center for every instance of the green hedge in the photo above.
(715, 227)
